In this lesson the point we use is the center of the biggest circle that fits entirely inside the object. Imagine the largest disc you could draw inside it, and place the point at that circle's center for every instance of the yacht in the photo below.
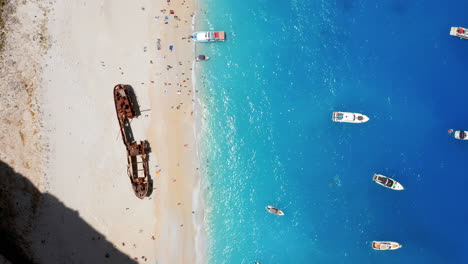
(387, 182)
(459, 32)
(459, 134)
(274, 210)
(208, 36)
(346, 117)
(385, 245)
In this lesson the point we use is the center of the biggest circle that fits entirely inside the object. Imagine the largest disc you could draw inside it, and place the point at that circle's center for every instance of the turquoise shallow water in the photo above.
(268, 93)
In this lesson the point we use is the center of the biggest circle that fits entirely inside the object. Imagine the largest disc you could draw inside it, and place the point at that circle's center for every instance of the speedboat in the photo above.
(346, 117)
(202, 58)
(459, 32)
(208, 36)
(274, 210)
(385, 245)
(459, 134)
(387, 182)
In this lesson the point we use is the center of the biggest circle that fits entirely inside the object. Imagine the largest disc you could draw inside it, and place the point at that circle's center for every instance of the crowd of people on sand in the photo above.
(182, 84)
(182, 81)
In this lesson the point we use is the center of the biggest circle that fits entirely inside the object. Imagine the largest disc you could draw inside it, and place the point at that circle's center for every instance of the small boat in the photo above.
(274, 210)
(459, 134)
(459, 32)
(208, 36)
(346, 117)
(202, 58)
(385, 245)
(387, 182)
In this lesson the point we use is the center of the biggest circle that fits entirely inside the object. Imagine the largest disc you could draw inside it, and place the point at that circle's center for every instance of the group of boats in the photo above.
(207, 36)
(381, 180)
(461, 33)
(345, 117)
(387, 182)
(348, 117)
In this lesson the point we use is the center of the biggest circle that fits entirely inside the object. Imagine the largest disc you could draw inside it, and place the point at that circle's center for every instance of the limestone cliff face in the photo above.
(20, 124)
(24, 42)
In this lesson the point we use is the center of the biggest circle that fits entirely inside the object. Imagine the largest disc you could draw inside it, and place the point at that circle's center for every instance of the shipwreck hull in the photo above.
(137, 153)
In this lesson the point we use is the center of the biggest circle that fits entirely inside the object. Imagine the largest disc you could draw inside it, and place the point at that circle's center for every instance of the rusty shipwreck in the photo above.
(137, 153)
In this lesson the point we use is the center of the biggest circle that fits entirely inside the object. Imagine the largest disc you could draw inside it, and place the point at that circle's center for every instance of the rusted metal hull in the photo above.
(137, 153)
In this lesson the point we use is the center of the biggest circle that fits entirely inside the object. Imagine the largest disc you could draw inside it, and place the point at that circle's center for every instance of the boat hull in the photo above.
(395, 186)
(208, 36)
(460, 134)
(274, 210)
(386, 245)
(459, 32)
(202, 58)
(347, 117)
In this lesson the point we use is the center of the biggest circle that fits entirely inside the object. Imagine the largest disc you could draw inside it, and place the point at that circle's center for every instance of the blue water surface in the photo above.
(268, 92)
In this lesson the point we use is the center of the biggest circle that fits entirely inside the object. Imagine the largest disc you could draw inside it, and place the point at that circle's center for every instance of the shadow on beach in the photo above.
(134, 99)
(36, 227)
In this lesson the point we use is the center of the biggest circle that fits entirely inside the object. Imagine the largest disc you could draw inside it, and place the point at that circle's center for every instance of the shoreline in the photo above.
(176, 100)
(91, 47)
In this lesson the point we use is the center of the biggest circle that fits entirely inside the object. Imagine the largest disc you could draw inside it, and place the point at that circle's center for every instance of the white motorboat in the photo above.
(274, 210)
(208, 36)
(346, 117)
(459, 134)
(202, 58)
(459, 32)
(387, 182)
(385, 245)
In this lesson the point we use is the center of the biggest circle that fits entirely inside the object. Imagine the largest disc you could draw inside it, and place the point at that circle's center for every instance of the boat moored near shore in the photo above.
(459, 32)
(385, 245)
(202, 58)
(347, 117)
(208, 36)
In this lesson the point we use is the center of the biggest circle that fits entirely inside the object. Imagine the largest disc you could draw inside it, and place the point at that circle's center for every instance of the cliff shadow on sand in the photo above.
(37, 227)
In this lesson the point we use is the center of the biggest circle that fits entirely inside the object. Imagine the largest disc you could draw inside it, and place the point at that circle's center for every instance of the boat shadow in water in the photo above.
(37, 227)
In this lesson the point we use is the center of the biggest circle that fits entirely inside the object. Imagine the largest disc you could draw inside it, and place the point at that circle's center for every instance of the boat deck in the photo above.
(459, 32)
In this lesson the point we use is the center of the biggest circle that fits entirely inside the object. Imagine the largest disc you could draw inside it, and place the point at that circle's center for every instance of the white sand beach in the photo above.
(91, 46)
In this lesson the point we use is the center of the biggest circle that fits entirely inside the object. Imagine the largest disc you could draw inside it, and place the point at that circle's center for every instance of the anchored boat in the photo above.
(274, 210)
(137, 153)
(385, 245)
(459, 32)
(202, 58)
(387, 182)
(208, 36)
(346, 117)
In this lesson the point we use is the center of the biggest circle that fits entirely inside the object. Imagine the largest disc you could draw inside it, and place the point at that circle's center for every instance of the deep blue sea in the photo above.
(268, 94)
